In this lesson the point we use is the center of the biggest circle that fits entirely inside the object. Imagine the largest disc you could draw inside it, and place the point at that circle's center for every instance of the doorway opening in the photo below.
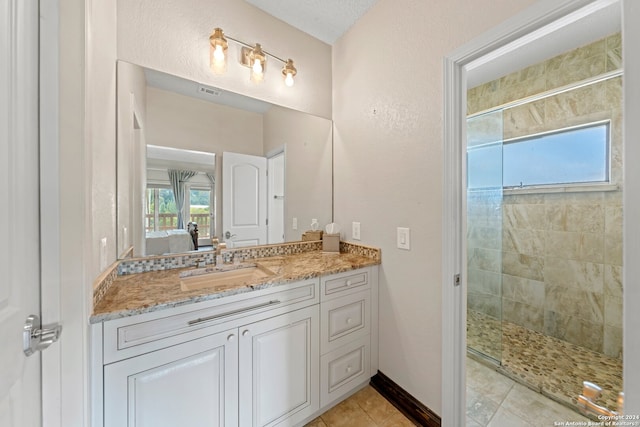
(525, 251)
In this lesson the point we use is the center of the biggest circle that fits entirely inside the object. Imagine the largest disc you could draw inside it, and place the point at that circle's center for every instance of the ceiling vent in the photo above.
(208, 90)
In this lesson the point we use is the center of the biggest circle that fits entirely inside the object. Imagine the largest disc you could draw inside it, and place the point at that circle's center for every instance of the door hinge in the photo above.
(267, 221)
(456, 280)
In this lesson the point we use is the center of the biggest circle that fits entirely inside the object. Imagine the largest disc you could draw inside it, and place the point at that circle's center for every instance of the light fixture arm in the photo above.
(247, 45)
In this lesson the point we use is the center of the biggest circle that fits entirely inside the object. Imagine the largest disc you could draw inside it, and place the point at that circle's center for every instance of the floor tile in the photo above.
(505, 418)
(366, 408)
(376, 406)
(397, 420)
(347, 414)
(316, 423)
(554, 366)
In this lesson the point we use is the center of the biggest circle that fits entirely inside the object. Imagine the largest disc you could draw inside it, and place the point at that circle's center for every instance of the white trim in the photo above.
(50, 305)
(532, 19)
(631, 227)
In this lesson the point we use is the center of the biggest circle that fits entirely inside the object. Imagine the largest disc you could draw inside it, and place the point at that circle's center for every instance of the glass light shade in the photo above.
(289, 79)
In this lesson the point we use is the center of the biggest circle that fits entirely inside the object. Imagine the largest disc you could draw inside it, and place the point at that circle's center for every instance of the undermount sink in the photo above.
(223, 279)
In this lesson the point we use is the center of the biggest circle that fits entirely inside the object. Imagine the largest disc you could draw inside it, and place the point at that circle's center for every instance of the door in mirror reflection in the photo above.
(244, 200)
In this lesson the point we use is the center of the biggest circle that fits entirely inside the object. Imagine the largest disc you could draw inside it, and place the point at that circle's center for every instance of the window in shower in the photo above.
(576, 155)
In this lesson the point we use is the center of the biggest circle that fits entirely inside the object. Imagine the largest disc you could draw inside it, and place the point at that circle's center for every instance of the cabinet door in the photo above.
(279, 369)
(193, 384)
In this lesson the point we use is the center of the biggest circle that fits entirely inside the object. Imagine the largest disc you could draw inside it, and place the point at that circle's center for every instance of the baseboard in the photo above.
(407, 404)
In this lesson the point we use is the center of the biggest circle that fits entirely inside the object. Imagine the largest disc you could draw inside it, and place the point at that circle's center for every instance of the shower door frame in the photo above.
(537, 16)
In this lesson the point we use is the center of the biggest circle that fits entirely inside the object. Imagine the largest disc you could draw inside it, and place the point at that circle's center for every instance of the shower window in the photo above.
(575, 155)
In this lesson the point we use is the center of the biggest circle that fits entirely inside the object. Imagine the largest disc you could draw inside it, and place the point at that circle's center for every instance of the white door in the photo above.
(20, 381)
(192, 384)
(275, 198)
(244, 200)
(279, 369)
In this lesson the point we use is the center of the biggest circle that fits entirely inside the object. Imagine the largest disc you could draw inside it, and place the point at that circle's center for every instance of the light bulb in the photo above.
(218, 53)
(289, 79)
(257, 67)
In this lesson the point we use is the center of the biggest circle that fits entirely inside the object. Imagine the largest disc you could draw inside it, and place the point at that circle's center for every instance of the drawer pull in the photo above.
(230, 313)
(349, 321)
(349, 282)
(245, 333)
(231, 337)
(348, 369)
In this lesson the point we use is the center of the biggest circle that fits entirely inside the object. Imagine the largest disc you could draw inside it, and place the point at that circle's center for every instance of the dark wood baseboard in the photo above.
(407, 404)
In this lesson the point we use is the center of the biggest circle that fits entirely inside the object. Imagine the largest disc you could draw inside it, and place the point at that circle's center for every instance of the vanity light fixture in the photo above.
(253, 57)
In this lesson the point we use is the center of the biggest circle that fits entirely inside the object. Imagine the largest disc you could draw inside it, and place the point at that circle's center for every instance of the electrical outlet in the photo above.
(294, 224)
(355, 230)
(404, 238)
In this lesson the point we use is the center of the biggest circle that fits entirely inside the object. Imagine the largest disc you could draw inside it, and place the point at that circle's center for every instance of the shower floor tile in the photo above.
(546, 364)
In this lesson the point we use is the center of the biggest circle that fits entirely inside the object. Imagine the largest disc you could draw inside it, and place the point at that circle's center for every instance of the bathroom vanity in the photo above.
(275, 350)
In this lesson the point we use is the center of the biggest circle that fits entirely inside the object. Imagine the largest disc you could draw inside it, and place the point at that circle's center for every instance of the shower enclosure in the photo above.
(544, 223)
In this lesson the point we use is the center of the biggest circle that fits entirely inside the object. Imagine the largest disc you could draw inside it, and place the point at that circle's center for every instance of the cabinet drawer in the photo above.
(343, 283)
(344, 319)
(343, 370)
(127, 337)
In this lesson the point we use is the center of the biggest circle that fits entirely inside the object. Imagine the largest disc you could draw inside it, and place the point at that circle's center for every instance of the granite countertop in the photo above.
(146, 292)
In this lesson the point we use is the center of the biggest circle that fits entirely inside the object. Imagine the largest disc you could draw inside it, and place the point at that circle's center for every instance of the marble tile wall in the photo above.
(560, 254)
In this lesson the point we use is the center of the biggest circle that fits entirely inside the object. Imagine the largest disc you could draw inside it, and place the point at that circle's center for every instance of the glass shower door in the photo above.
(484, 234)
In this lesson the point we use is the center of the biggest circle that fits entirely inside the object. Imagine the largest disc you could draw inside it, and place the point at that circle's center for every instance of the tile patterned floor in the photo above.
(554, 367)
(493, 400)
(366, 408)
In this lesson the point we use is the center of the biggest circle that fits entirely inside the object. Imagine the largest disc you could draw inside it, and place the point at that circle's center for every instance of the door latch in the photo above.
(35, 338)
(456, 280)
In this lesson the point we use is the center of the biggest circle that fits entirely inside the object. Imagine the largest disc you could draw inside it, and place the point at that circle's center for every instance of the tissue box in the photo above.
(331, 242)
(312, 235)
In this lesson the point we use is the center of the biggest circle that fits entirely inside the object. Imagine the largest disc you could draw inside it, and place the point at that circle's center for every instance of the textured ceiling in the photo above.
(326, 20)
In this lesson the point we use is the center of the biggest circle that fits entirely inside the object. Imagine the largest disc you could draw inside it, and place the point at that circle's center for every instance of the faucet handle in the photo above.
(591, 391)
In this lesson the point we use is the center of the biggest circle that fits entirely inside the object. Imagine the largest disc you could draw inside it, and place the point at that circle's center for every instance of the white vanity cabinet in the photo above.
(271, 357)
(192, 384)
(348, 312)
(279, 369)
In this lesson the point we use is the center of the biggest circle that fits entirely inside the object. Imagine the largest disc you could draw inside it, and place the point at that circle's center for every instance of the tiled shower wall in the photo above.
(558, 255)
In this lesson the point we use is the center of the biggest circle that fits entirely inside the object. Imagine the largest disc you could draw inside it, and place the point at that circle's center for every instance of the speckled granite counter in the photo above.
(145, 292)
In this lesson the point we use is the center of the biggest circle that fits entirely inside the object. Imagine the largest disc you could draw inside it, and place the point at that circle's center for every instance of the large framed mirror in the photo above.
(245, 171)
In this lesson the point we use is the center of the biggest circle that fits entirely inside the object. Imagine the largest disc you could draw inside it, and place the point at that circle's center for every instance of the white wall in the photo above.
(101, 130)
(308, 178)
(173, 36)
(87, 52)
(131, 162)
(387, 109)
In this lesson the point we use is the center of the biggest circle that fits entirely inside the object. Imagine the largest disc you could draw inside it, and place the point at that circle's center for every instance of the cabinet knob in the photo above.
(348, 369)
(348, 282)
(245, 332)
(349, 320)
(231, 337)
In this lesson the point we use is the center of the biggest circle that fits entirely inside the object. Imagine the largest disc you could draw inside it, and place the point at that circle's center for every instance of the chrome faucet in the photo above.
(590, 393)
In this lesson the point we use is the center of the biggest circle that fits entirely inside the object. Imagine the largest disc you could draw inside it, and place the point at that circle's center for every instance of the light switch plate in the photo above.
(355, 230)
(295, 223)
(404, 238)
